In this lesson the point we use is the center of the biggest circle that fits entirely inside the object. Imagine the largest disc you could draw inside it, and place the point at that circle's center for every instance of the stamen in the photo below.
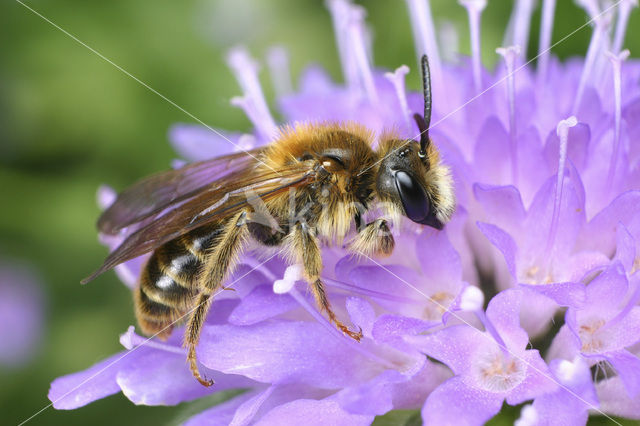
(562, 130)
(334, 331)
(591, 6)
(520, 25)
(474, 11)
(624, 10)
(356, 31)
(616, 63)
(266, 129)
(546, 30)
(448, 36)
(246, 72)
(278, 62)
(424, 37)
(397, 79)
(366, 292)
(510, 54)
(340, 11)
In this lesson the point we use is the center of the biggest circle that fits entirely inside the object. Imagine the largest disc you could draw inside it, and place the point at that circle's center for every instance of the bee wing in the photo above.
(221, 199)
(156, 193)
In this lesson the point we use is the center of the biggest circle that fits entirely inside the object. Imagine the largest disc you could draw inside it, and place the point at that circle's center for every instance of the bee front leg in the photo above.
(373, 239)
(305, 250)
(219, 263)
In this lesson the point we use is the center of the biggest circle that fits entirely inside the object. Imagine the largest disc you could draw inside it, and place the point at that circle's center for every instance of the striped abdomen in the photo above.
(168, 283)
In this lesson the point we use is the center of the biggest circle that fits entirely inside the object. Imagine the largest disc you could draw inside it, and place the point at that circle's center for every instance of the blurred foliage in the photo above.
(70, 121)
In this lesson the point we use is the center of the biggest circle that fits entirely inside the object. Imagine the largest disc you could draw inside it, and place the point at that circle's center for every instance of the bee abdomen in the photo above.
(168, 283)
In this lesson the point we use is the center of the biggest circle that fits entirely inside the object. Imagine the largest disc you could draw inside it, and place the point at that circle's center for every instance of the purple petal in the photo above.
(625, 247)
(163, 378)
(438, 259)
(389, 327)
(627, 365)
(311, 412)
(615, 400)
(502, 204)
(455, 346)
(261, 304)
(455, 400)
(81, 388)
(221, 414)
(503, 242)
(606, 292)
(285, 352)
(600, 232)
(489, 155)
(373, 397)
(564, 294)
(362, 314)
(504, 313)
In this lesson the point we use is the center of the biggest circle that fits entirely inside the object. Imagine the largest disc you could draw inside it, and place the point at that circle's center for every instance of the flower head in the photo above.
(547, 172)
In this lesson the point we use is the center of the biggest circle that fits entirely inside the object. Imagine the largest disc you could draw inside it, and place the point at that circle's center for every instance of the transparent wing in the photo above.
(156, 193)
(219, 200)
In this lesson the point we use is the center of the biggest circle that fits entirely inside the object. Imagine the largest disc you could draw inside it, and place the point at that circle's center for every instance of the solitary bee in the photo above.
(309, 185)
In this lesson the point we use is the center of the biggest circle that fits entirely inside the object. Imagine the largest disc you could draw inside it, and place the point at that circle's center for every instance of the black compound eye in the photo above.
(414, 200)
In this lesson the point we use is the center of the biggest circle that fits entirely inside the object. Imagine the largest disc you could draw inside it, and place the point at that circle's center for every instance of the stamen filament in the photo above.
(522, 23)
(397, 79)
(340, 11)
(510, 54)
(474, 11)
(356, 32)
(616, 63)
(546, 31)
(562, 130)
(278, 62)
(424, 37)
(254, 104)
(592, 9)
(366, 292)
(624, 10)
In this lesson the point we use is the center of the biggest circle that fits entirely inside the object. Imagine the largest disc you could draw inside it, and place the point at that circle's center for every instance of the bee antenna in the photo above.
(425, 121)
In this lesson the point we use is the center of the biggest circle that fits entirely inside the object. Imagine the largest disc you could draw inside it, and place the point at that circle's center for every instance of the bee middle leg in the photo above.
(373, 239)
(307, 251)
(219, 263)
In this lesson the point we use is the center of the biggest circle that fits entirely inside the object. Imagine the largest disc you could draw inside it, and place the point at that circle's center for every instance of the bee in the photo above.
(308, 186)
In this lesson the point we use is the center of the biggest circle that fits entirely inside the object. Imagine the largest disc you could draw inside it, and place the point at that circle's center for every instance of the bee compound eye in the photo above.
(414, 200)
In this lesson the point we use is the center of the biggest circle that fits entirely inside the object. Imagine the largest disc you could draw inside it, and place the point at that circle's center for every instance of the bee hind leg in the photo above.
(219, 263)
(306, 249)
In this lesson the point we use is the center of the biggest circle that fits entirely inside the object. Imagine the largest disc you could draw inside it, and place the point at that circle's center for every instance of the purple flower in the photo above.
(547, 171)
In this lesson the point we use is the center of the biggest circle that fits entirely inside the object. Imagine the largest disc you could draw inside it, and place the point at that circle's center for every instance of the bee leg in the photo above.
(306, 250)
(373, 239)
(219, 263)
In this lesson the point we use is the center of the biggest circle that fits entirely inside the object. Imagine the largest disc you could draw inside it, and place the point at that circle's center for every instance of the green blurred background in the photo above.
(69, 121)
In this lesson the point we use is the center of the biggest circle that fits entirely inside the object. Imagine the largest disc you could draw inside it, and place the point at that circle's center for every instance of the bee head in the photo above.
(411, 175)
(419, 188)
